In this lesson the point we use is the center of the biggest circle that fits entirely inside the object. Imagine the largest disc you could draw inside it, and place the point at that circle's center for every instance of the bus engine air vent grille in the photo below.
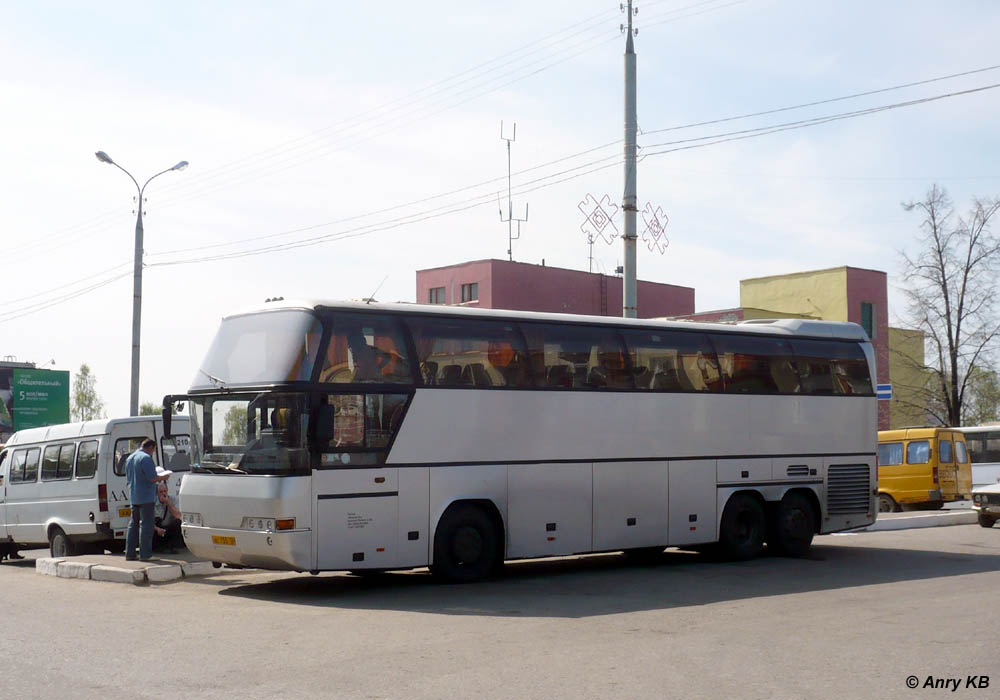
(848, 489)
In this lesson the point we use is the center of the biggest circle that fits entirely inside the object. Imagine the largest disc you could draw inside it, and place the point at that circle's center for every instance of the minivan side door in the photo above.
(3, 494)
(126, 438)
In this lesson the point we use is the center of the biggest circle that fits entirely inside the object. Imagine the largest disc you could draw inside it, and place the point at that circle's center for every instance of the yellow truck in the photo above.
(922, 468)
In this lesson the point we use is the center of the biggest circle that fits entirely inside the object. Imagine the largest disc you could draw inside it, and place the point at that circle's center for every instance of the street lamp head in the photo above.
(104, 157)
(180, 166)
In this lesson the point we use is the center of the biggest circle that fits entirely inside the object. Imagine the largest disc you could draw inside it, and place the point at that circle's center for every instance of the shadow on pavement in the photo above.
(610, 584)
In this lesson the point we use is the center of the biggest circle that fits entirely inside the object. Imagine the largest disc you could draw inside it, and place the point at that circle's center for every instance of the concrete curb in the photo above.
(154, 573)
(938, 519)
(163, 573)
(114, 574)
(73, 569)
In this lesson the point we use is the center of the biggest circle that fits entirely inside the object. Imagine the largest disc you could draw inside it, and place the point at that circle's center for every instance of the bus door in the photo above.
(356, 494)
(126, 438)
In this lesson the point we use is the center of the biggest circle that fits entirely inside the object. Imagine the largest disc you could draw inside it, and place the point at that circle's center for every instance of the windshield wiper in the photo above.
(218, 382)
(221, 469)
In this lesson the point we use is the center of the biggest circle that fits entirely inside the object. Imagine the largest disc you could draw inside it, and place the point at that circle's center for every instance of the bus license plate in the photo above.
(231, 541)
(124, 512)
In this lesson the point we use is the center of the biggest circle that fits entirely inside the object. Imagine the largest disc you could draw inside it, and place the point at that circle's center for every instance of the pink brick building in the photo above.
(501, 284)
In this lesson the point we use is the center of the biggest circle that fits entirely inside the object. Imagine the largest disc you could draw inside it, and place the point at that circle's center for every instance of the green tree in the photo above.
(950, 286)
(235, 432)
(148, 408)
(87, 403)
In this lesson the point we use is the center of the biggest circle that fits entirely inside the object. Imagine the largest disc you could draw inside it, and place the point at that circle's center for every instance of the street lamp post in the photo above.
(136, 276)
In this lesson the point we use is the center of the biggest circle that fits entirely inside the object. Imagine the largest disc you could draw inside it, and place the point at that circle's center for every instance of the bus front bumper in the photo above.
(289, 550)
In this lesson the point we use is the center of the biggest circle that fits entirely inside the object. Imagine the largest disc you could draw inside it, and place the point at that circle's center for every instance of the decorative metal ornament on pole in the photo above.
(136, 276)
(598, 222)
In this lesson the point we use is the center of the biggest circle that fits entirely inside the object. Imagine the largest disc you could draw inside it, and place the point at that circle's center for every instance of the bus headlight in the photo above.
(192, 519)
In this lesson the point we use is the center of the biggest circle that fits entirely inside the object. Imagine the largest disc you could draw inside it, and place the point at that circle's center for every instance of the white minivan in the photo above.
(64, 485)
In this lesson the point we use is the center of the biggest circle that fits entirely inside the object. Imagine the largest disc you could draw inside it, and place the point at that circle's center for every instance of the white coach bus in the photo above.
(352, 436)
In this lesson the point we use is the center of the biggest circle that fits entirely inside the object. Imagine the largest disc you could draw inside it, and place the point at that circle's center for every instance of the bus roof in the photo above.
(784, 326)
(71, 431)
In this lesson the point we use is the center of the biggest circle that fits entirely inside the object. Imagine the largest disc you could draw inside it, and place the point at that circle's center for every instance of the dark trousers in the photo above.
(171, 539)
(140, 531)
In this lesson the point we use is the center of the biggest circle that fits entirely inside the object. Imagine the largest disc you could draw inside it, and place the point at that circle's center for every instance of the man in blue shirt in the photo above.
(140, 471)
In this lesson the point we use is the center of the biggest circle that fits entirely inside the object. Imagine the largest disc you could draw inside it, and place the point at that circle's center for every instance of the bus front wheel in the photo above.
(793, 526)
(467, 545)
(743, 527)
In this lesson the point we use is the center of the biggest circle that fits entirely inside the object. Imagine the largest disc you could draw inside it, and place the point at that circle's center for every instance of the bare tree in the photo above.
(951, 289)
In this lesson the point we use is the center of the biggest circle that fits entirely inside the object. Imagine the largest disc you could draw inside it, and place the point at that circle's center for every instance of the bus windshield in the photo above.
(262, 433)
(265, 348)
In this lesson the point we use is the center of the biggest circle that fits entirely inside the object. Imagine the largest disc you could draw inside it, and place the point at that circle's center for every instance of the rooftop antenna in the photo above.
(370, 299)
(510, 205)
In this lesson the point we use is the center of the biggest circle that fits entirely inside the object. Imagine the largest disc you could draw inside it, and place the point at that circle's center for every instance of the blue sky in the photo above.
(299, 114)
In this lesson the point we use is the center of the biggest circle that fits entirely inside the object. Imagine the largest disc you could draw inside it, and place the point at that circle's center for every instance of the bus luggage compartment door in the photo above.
(356, 524)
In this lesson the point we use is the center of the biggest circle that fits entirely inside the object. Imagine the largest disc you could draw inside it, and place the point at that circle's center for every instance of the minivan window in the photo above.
(890, 453)
(918, 452)
(945, 447)
(961, 455)
(123, 448)
(86, 459)
(176, 453)
(24, 466)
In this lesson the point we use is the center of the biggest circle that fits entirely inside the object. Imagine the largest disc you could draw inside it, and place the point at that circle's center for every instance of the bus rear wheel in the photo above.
(467, 545)
(743, 527)
(793, 526)
(59, 544)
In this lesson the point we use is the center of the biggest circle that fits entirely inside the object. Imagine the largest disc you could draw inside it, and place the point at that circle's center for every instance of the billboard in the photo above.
(31, 398)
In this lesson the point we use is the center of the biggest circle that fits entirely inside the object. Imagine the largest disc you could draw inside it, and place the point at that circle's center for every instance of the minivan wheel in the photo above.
(59, 544)
(887, 504)
(986, 520)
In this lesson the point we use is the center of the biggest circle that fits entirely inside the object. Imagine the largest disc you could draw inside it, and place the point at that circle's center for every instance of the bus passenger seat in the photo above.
(451, 375)
(477, 375)
(429, 372)
(560, 377)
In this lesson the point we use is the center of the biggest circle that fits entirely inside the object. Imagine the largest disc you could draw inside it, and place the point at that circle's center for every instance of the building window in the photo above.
(470, 292)
(436, 295)
(868, 318)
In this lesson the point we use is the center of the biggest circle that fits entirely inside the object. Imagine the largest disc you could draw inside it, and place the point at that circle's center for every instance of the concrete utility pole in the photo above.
(630, 303)
(136, 277)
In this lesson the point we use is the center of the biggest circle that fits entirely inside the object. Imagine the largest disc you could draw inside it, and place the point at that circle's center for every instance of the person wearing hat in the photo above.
(140, 472)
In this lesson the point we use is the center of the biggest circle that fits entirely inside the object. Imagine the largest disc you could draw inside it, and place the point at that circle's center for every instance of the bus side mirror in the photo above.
(323, 425)
(168, 411)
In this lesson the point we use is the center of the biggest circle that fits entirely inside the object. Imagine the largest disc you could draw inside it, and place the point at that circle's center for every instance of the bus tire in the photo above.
(887, 504)
(59, 544)
(743, 528)
(986, 520)
(467, 545)
(793, 526)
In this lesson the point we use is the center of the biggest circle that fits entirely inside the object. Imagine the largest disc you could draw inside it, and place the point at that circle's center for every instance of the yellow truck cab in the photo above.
(922, 468)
